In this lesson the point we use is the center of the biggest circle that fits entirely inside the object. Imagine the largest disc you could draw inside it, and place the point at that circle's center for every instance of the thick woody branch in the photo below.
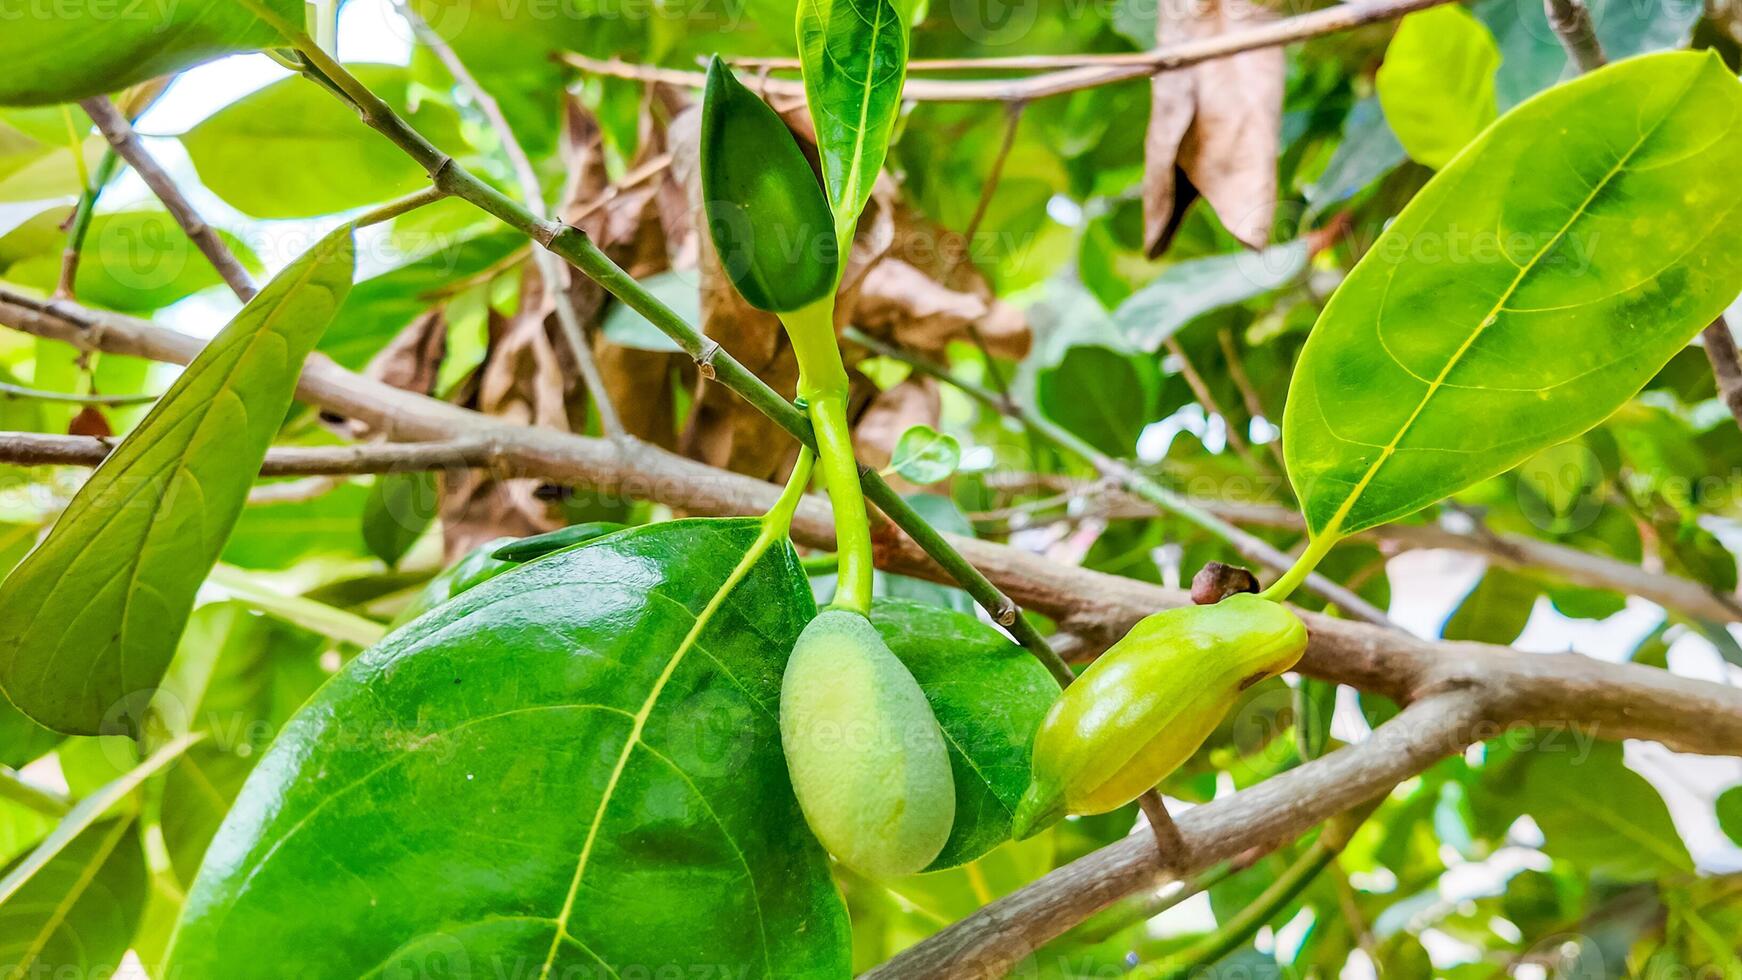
(1619, 700)
(1088, 73)
(1517, 551)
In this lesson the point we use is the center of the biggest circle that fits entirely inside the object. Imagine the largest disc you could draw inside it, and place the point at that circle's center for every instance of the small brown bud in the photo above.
(1218, 580)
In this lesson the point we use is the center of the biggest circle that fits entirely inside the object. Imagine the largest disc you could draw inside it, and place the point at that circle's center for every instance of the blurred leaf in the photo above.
(133, 262)
(1187, 290)
(1369, 150)
(117, 46)
(627, 328)
(1437, 83)
(1495, 610)
(400, 507)
(292, 150)
(76, 915)
(1729, 806)
(925, 455)
(1596, 812)
(1533, 57)
(1102, 395)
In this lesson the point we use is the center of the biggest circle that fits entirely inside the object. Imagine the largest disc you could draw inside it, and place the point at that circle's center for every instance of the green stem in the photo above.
(779, 517)
(405, 205)
(578, 250)
(13, 787)
(1303, 566)
(822, 384)
(86, 210)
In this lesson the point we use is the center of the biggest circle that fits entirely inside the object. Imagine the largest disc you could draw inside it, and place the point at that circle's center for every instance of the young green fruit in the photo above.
(866, 756)
(1147, 704)
(768, 218)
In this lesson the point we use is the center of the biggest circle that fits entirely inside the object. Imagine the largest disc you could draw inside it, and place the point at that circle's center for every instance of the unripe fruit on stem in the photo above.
(867, 758)
(1146, 705)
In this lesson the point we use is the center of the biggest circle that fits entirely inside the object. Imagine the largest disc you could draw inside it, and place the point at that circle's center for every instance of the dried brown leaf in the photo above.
(1214, 128)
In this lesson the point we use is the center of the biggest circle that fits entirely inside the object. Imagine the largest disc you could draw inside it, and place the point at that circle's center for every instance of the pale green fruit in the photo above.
(1149, 702)
(867, 759)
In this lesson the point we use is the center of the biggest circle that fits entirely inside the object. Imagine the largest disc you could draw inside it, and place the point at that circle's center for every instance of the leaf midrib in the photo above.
(691, 640)
(1332, 527)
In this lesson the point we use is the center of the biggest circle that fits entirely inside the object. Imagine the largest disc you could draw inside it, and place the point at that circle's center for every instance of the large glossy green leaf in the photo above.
(291, 150)
(855, 60)
(1437, 83)
(77, 915)
(93, 614)
(572, 767)
(989, 696)
(62, 52)
(1535, 285)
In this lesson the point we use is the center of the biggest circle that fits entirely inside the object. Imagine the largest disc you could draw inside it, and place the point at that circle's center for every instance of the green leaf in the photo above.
(89, 810)
(1102, 395)
(379, 307)
(626, 327)
(238, 676)
(101, 602)
(1536, 284)
(476, 567)
(925, 455)
(291, 150)
(576, 765)
(22, 740)
(1368, 151)
(855, 61)
(133, 262)
(1315, 703)
(989, 696)
(1729, 806)
(81, 48)
(1188, 290)
(401, 506)
(1597, 813)
(76, 916)
(1437, 83)
(770, 224)
(280, 534)
(1495, 610)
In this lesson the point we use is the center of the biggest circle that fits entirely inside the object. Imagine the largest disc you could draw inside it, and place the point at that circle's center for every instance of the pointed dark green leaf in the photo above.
(62, 52)
(1529, 290)
(855, 60)
(770, 224)
(93, 614)
(572, 768)
(989, 696)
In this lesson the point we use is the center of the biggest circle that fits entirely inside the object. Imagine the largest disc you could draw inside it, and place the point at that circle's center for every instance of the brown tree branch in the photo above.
(467, 452)
(1721, 350)
(1518, 551)
(119, 132)
(1089, 73)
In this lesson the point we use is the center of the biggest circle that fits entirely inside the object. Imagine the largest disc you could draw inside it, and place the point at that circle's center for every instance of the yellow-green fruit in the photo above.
(1146, 705)
(867, 759)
